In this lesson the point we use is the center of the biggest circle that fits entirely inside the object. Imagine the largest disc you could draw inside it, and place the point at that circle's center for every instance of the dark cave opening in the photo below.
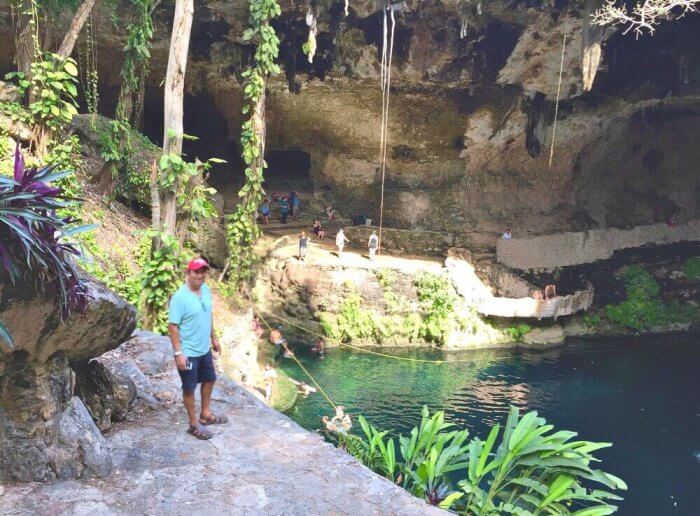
(203, 120)
(287, 170)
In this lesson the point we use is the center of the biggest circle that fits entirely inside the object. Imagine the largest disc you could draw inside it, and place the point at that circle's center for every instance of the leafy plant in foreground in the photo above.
(32, 236)
(527, 469)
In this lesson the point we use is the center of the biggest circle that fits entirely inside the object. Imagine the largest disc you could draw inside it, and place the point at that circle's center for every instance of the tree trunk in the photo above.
(76, 25)
(25, 50)
(174, 101)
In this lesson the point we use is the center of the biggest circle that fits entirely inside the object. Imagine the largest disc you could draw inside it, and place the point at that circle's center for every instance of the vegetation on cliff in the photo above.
(644, 309)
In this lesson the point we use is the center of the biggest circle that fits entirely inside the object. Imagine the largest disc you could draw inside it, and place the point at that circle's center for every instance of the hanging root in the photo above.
(347, 6)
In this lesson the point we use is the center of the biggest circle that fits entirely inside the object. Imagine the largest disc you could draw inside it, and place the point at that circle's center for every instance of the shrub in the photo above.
(517, 333)
(643, 309)
(439, 304)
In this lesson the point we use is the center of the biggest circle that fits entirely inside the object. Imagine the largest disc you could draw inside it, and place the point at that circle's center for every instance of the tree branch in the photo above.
(644, 16)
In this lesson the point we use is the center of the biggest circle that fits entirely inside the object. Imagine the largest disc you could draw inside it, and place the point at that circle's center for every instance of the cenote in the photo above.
(639, 393)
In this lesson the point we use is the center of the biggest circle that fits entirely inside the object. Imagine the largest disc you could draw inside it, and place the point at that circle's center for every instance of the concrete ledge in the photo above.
(580, 300)
(575, 248)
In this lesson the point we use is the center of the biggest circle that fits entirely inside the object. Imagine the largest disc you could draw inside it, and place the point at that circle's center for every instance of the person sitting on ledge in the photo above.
(537, 294)
(550, 292)
(340, 423)
(331, 213)
(318, 347)
(318, 230)
(507, 235)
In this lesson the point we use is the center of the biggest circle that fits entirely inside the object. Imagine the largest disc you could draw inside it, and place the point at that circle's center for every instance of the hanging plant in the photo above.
(242, 229)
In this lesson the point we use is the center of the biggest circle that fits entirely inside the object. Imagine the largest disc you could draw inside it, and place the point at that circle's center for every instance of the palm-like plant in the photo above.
(534, 470)
(33, 244)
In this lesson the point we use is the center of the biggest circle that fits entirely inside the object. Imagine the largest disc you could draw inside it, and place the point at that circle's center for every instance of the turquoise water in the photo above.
(641, 394)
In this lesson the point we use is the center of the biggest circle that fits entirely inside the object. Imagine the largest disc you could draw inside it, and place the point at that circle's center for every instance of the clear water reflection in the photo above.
(641, 394)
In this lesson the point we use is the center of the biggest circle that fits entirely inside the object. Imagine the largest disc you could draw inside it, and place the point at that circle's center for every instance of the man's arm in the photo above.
(180, 359)
(214, 339)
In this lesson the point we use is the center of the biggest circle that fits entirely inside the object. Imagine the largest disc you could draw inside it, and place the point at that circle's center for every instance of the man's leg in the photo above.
(188, 398)
(207, 388)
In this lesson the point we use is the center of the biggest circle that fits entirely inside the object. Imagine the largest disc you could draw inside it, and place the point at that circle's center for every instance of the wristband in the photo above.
(178, 353)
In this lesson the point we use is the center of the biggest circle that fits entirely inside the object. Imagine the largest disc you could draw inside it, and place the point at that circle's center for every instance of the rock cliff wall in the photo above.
(471, 118)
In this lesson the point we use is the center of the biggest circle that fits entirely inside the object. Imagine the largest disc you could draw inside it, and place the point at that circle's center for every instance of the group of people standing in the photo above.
(340, 241)
(287, 204)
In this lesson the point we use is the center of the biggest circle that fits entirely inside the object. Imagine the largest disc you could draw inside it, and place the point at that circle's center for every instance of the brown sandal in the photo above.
(200, 433)
(214, 420)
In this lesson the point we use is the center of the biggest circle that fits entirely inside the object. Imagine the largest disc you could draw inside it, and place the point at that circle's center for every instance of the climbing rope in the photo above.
(395, 357)
(385, 83)
(556, 106)
(301, 366)
(358, 348)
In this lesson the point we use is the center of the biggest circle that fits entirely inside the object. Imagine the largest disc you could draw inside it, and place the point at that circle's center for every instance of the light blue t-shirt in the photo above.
(192, 315)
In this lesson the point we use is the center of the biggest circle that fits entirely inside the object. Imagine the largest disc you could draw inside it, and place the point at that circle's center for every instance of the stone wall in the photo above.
(574, 248)
(420, 242)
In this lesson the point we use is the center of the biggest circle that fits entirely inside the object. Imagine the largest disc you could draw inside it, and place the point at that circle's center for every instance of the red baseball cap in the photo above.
(197, 263)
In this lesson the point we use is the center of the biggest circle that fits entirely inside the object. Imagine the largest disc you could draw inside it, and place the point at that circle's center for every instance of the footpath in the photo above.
(261, 462)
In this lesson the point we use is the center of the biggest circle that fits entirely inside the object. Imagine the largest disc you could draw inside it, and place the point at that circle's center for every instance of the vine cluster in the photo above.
(242, 229)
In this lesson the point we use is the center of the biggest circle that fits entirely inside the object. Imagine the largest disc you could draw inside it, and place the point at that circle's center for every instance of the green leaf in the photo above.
(560, 485)
(70, 68)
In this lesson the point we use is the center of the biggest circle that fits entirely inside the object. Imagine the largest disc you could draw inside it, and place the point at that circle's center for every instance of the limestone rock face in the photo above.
(45, 432)
(107, 395)
(471, 115)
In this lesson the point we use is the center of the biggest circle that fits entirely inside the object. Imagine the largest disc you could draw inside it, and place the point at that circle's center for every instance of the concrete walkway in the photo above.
(259, 463)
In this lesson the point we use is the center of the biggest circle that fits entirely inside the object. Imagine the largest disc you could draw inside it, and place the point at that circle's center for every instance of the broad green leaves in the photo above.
(530, 470)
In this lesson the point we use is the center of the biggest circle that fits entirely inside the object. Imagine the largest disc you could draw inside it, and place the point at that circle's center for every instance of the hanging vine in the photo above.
(89, 78)
(242, 229)
(137, 52)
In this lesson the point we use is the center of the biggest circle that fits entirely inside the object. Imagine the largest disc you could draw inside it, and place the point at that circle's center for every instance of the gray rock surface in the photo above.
(44, 433)
(77, 431)
(259, 463)
(107, 396)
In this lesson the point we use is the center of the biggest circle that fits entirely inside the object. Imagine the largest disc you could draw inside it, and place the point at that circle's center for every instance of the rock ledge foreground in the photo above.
(261, 462)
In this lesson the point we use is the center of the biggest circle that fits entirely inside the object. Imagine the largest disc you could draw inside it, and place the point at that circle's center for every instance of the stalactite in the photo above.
(591, 49)
(313, 30)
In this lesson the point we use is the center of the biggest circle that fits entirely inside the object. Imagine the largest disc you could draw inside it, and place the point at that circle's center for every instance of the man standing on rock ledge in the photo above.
(192, 334)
